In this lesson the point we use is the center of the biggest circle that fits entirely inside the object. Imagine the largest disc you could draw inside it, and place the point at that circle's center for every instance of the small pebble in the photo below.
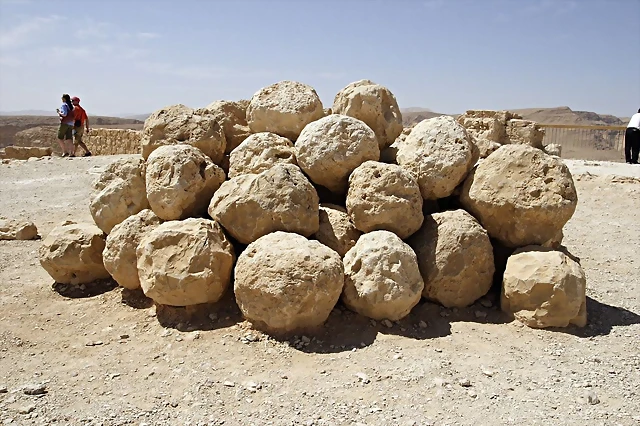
(486, 303)
(363, 378)
(592, 398)
(465, 383)
(423, 324)
(229, 384)
(480, 314)
(387, 323)
(35, 389)
(3, 389)
(94, 343)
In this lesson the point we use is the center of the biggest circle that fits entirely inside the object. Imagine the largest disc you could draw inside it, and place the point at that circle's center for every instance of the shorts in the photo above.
(77, 134)
(65, 131)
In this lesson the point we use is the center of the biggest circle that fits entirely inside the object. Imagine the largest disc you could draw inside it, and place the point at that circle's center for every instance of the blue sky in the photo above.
(447, 55)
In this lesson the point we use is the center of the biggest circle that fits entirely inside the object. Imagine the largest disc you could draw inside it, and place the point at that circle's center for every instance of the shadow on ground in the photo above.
(601, 318)
(211, 316)
(81, 291)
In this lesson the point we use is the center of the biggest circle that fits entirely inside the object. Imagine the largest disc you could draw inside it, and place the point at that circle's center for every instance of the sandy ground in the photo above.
(107, 357)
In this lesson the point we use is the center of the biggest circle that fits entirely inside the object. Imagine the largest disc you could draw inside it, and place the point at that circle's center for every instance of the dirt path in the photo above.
(111, 359)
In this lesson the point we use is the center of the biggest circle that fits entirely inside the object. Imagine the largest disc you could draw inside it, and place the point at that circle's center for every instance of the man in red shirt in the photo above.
(81, 122)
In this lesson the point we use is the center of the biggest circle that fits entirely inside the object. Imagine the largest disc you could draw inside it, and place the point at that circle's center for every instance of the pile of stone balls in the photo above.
(294, 207)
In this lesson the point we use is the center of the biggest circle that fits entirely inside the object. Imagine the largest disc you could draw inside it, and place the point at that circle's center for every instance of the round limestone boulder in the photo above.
(382, 278)
(553, 149)
(182, 263)
(384, 197)
(286, 283)
(259, 152)
(284, 108)
(336, 231)
(72, 253)
(118, 193)
(544, 288)
(278, 199)
(179, 124)
(232, 118)
(180, 181)
(520, 195)
(329, 149)
(119, 253)
(375, 105)
(439, 153)
(455, 257)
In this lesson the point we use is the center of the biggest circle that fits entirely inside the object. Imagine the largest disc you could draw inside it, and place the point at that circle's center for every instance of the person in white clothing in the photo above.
(632, 139)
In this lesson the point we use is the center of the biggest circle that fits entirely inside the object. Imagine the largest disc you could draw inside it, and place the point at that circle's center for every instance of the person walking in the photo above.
(65, 131)
(81, 122)
(632, 139)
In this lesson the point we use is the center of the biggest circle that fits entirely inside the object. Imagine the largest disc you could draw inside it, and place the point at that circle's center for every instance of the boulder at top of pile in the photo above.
(118, 193)
(14, 229)
(72, 253)
(375, 105)
(524, 132)
(439, 153)
(119, 254)
(455, 257)
(520, 195)
(232, 118)
(382, 278)
(336, 230)
(186, 262)
(544, 288)
(179, 124)
(384, 197)
(180, 181)
(278, 199)
(284, 108)
(286, 283)
(553, 149)
(329, 149)
(259, 152)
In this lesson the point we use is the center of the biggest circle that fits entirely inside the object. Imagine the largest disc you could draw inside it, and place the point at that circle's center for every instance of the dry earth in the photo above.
(102, 356)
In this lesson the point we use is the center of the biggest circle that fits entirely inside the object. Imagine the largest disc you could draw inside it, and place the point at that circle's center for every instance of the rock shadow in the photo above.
(135, 299)
(82, 291)
(601, 318)
(205, 317)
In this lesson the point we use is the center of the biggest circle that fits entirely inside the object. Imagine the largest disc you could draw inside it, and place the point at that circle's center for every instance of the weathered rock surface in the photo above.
(525, 132)
(119, 254)
(384, 197)
(375, 105)
(278, 199)
(26, 152)
(329, 149)
(179, 124)
(118, 193)
(14, 229)
(180, 181)
(382, 278)
(553, 149)
(439, 153)
(285, 283)
(485, 147)
(232, 118)
(544, 288)
(259, 152)
(72, 253)
(182, 263)
(455, 257)
(284, 108)
(336, 230)
(520, 195)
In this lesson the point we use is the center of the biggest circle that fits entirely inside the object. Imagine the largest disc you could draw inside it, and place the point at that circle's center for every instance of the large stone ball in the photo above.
(520, 195)
(384, 197)
(232, 118)
(382, 278)
(336, 230)
(180, 181)
(72, 253)
(118, 193)
(439, 153)
(284, 108)
(329, 149)
(286, 283)
(260, 152)
(455, 257)
(119, 254)
(375, 105)
(179, 124)
(278, 199)
(182, 263)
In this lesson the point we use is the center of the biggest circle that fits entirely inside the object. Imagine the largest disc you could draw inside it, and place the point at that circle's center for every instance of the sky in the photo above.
(137, 56)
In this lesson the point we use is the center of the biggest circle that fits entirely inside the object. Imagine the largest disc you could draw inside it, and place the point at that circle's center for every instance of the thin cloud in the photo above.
(147, 36)
(25, 32)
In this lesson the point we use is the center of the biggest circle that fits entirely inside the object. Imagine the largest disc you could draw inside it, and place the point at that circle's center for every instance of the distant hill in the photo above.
(415, 115)
(565, 115)
(30, 112)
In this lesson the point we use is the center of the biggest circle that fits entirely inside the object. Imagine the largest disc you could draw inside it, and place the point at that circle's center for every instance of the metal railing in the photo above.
(609, 138)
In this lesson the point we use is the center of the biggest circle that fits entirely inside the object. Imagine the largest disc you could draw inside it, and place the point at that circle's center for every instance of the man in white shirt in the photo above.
(632, 139)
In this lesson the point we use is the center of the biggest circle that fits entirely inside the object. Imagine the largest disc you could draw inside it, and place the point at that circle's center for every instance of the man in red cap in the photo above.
(81, 122)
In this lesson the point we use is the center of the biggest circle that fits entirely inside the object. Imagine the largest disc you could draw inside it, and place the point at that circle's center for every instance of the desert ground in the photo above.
(99, 355)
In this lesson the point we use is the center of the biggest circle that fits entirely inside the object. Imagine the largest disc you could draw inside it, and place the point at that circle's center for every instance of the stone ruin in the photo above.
(293, 207)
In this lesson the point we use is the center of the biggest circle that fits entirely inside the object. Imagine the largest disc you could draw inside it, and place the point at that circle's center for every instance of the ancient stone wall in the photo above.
(99, 141)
